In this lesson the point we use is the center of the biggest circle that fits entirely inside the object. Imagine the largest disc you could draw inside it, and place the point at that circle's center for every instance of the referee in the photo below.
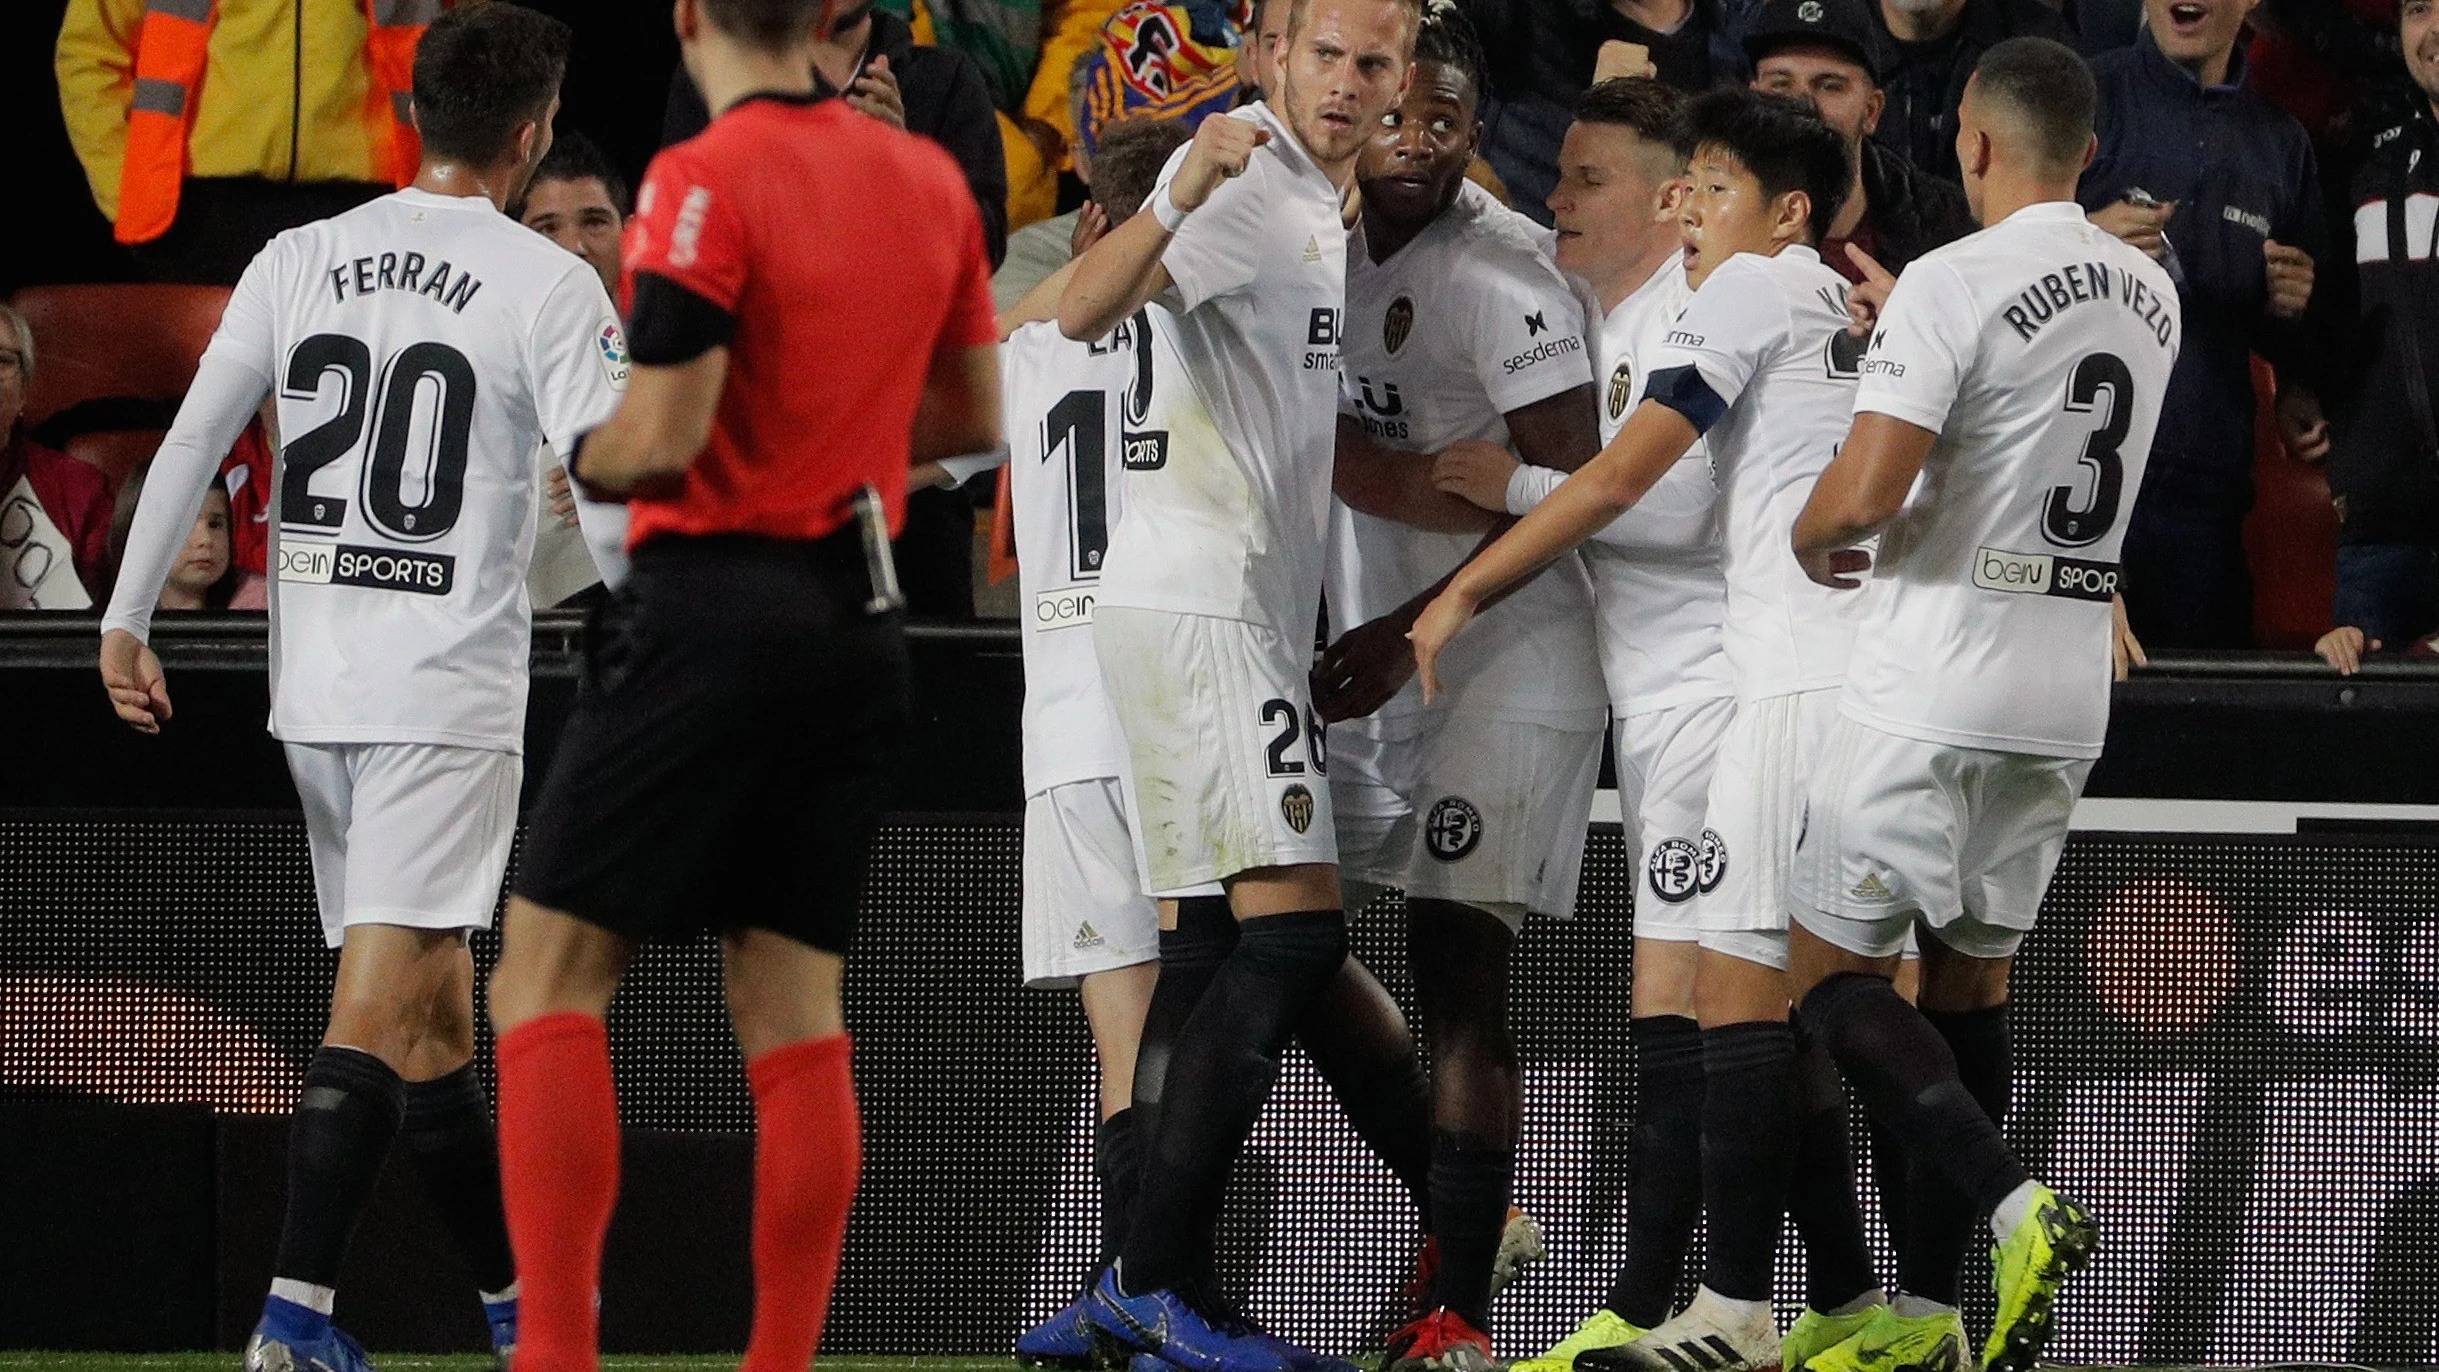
(746, 689)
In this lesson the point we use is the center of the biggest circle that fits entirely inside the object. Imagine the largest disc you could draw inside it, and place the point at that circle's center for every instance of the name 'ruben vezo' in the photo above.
(2059, 291)
(390, 271)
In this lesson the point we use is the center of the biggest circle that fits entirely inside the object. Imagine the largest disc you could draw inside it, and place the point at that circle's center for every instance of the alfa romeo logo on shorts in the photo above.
(1675, 869)
(1453, 828)
(1397, 324)
(1296, 805)
(1713, 866)
(1809, 11)
(1621, 385)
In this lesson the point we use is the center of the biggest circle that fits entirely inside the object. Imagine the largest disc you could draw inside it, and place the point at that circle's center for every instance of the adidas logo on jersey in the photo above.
(1088, 937)
(1312, 248)
(1872, 888)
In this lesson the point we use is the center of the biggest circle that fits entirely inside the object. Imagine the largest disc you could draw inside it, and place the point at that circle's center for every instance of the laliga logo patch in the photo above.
(612, 345)
(1621, 385)
(1453, 829)
(1713, 867)
(1296, 806)
(1398, 324)
(1675, 870)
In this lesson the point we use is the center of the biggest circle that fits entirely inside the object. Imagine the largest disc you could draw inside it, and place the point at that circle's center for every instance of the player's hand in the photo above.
(1092, 224)
(1441, 621)
(1350, 205)
(1865, 301)
(2301, 425)
(132, 676)
(1363, 669)
(2144, 226)
(1837, 568)
(875, 92)
(1221, 150)
(1475, 472)
(2343, 648)
(2290, 277)
(562, 497)
(2125, 650)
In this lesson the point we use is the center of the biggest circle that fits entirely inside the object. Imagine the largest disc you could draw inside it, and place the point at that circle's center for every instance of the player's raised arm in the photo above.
(1863, 488)
(229, 386)
(959, 413)
(1127, 270)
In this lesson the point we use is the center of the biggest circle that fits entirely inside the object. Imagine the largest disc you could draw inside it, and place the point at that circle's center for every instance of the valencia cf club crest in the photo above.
(1713, 866)
(1453, 828)
(1621, 385)
(1675, 870)
(1398, 324)
(1296, 806)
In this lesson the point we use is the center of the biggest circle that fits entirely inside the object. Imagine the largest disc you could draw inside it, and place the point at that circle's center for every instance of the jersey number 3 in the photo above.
(436, 465)
(2063, 522)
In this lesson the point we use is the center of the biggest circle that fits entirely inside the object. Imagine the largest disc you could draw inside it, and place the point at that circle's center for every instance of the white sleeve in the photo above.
(230, 382)
(1528, 332)
(1636, 530)
(1528, 486)
(1727, 332)
(578, 360)
(971, 465)
(1217, 251)
(1927, 341)
(604, 526)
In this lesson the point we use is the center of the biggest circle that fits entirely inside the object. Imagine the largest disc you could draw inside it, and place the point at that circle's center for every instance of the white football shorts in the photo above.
(1963, 840)
(1230, 761)
(1665, 759)
(416, 834)
(1485, 812)
(1084, 906)
(1756, 814)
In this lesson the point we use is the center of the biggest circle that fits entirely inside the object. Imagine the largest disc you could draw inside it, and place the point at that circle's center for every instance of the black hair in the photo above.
(574, 157)
(483, 72)
(769, 25)
(1651, 110)
(2048, 84)
(1447, 37)
(1127, 159)
(1781, 141)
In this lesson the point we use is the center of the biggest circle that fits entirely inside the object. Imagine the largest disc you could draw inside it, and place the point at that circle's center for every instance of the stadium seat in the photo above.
(2290, 537)
(110, 342)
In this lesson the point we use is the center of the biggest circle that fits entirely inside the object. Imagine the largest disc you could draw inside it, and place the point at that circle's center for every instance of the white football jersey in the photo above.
(1762, 349)
(1460, 326)
(1073, 416)
(424, 349)
(2038, 350)
(1230, 517)
(1656, 578)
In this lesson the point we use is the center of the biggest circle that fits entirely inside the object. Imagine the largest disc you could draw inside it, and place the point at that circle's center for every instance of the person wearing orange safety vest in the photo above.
(208, 126)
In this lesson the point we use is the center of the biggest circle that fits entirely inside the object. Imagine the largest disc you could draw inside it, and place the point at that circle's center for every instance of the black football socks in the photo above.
(1940, 1219)
(1907, 1074)
(1115, 1165)
(1220, 1072)
(1470, 1186)
(447, 1130)
(1748, 1152)
(1664, 1176)
(346, 1117)
(1190, 956)
(1821, 1196)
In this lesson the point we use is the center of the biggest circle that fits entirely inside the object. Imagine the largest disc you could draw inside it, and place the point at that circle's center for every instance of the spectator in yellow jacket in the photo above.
(205, 129)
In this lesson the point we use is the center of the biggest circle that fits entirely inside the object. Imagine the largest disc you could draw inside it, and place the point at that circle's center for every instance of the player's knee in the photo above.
(1304, 948)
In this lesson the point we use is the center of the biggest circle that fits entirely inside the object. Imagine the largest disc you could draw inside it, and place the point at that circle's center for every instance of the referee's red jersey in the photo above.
(846, 255)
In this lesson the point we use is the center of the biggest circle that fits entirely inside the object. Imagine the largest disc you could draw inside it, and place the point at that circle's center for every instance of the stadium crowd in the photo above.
(2244, 145)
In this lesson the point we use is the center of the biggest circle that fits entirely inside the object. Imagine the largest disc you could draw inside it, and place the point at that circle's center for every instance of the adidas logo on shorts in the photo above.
(1088, 937)
(1872, 888)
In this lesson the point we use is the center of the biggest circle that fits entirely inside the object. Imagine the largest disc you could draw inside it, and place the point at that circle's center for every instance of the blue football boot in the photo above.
(296, 1338)
(1166, 1324)
(1063, 1341)
(502, 1317)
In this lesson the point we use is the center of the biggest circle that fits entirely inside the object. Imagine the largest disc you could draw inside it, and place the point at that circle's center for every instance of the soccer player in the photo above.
(1660, 595)
(1208, 600)
(424, 348)
(1761, 364)
(2015, 377)
(745, 692)
(1457, 326)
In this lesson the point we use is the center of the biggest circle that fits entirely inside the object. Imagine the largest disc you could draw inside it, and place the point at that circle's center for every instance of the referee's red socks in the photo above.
(559, 1170)
(805, 1165)
(559, 1175)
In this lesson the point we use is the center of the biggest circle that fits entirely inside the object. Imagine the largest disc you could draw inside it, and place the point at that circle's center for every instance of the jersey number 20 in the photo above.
(2062, 521)
(440, 468)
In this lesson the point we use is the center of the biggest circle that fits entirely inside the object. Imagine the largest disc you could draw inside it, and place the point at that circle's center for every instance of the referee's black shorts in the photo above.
(732, 746)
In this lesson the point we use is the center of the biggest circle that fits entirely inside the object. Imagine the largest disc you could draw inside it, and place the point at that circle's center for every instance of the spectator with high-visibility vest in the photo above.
(206, 127)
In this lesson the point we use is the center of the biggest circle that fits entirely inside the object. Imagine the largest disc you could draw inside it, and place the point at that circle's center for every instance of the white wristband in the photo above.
(1165, 210)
